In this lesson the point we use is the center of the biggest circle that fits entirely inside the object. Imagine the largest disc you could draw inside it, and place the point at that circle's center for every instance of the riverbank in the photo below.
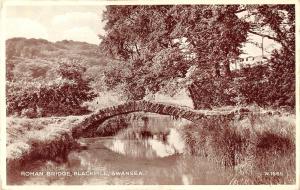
(39, 138)
(257, 147)
(261, 149)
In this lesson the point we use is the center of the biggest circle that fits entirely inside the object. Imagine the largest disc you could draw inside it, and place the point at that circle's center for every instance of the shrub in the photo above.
(60, 97)
(271, 85)
(211, 92)
(274, 85)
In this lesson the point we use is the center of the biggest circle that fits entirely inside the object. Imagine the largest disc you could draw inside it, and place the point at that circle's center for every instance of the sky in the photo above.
(55, 23)
(78, 23)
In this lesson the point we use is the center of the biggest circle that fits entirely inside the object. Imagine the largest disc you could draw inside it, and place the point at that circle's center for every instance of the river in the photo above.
(150, 151)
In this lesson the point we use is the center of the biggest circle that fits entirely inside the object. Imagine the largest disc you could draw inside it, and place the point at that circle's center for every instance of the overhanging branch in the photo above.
(239, 11)
(281, 42)
(264, 35)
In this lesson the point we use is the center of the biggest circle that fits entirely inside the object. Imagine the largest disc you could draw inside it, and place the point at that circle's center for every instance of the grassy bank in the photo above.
(40, 138)
(260, 149)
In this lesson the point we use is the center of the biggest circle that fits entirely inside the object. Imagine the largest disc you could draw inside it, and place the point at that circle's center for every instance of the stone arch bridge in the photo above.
(94, 119)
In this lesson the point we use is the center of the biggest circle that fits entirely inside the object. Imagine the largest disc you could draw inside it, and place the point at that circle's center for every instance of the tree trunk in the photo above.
(193, 96)
(217, 70)
(227, 68)
(198, 101)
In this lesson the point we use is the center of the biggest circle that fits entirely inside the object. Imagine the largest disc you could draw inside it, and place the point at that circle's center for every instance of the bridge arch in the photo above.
(101, 115)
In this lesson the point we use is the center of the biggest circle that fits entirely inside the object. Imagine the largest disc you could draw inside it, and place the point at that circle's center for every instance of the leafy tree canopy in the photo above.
(159, 45)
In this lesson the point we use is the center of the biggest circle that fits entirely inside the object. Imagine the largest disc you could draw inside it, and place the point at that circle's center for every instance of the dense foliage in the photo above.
(167, 48)
(51, 79)
(60, 97)
(159, 44)
(274, 86)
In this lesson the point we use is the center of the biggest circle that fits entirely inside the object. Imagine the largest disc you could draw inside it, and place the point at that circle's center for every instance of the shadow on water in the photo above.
(149, 151)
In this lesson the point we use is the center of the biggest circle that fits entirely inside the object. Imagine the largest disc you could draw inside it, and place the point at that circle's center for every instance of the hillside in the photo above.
(34, 59)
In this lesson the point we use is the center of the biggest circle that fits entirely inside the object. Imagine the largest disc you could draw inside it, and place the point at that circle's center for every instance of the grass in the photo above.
(24, 129)
(260, 149)
(39, 138)
(25, 135)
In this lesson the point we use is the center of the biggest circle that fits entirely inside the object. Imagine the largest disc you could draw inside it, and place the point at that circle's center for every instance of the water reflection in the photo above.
(155, 150)
(148, 146)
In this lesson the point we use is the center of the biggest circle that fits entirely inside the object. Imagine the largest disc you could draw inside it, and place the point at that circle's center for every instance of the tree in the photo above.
(276, 22)
(160, 44)
(167, 48)
(275, 86)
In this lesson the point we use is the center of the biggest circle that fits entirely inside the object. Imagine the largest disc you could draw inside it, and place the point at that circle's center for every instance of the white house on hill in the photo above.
(250, 61)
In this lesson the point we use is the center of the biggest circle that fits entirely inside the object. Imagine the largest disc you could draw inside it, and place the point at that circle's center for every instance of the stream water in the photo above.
(146, 153)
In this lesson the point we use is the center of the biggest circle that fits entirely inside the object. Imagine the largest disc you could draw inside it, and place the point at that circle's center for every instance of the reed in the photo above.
(261, 149)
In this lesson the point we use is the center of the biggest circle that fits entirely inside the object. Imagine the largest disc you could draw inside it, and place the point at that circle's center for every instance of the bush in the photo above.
(60, 97)
(213, 91)
(30, 113)
(271, 85)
